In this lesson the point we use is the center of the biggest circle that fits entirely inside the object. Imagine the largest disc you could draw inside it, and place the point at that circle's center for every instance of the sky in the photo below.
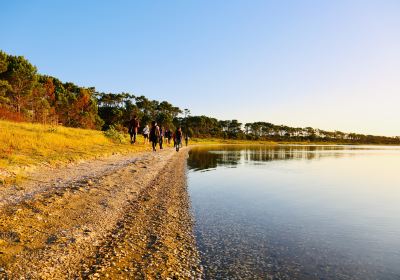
(333, 65)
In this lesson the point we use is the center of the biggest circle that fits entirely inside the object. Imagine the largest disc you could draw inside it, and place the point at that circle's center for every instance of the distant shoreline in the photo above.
(217, 141)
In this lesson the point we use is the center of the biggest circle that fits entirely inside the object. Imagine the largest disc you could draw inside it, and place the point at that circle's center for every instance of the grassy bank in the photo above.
(25, 146)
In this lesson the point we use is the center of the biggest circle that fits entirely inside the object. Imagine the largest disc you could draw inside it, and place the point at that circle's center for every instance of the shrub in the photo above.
(120, 128)
(6, 114)
(114, 134)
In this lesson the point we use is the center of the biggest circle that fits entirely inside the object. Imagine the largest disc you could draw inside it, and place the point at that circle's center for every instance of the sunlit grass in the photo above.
(24, 146)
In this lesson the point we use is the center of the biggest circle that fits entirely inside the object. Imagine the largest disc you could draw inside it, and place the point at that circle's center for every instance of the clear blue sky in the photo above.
(327, 64)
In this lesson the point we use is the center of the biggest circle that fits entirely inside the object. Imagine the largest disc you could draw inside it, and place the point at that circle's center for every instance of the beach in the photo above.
(119, 217)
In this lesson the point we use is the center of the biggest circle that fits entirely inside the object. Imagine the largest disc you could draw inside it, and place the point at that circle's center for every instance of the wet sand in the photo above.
(123, 217)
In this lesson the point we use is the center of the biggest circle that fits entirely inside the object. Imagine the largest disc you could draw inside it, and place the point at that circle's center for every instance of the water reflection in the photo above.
(203, 158)
(297, 212)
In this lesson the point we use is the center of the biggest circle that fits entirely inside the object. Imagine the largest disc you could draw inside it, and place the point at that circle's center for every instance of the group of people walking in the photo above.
(156, 134)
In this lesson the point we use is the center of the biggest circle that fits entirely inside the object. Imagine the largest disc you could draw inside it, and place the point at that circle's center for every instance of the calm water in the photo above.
(297, 212)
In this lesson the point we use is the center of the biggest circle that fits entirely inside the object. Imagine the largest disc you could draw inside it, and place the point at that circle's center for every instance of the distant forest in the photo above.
(26, 95)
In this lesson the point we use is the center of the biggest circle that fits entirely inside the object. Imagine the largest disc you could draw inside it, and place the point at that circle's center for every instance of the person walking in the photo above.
(186, 139)
(168, 135)
(154, 135)
(146, 132)
(178, 138)
(161, 138)
(133, 128)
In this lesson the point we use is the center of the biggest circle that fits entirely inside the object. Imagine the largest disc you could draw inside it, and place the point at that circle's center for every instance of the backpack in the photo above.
(154, 132)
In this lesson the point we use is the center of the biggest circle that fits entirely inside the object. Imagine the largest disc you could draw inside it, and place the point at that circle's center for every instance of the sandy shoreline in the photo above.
(124, 217)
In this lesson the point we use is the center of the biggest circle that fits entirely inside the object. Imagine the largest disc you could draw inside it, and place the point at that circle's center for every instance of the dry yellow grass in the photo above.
(24, 146)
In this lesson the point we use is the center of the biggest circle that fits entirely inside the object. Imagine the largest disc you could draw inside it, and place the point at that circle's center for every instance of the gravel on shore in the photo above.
(124, 217)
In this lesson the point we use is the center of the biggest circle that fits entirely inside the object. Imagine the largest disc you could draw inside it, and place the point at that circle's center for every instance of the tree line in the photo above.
(203, 126)
(26, 95)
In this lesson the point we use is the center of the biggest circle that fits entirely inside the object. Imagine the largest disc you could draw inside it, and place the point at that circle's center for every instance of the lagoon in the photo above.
(297, 212)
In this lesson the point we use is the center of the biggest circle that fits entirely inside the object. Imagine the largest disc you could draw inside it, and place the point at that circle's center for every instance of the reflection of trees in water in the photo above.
(290, 153)
(203, 158)
(200, 159)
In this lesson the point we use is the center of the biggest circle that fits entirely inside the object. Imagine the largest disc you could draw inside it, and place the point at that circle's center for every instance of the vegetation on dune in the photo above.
(28, 96)
(24, 145)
